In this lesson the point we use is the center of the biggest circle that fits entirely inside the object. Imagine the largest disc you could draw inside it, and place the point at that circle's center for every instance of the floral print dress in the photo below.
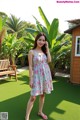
(42, 80)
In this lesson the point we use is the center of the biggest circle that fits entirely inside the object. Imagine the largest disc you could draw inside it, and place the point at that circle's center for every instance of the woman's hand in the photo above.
(31, 83)
(46, 43)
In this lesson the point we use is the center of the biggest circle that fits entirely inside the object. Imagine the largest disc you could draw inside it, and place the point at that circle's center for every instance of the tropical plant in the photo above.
(15, 25)
(62, 55)
(3, 15)
(55, 39)
(2, 30)
(10, 47)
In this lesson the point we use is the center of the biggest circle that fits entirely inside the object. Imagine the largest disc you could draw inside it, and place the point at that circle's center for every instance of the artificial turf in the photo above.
(62, 104)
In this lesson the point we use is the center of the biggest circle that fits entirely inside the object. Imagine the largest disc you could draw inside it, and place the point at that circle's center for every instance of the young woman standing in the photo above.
(39, 73)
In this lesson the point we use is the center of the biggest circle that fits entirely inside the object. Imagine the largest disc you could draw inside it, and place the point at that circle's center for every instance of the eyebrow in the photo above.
(41, 39)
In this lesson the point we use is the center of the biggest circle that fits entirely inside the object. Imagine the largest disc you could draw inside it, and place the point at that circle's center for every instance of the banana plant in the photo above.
(51, 30)
(55, 40)
(10, 47)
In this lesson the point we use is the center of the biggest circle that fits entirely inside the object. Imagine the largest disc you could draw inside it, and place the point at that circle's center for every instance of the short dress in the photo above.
(42, 80)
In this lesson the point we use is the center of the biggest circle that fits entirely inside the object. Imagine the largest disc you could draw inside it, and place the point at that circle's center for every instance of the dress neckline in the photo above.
(39, 53)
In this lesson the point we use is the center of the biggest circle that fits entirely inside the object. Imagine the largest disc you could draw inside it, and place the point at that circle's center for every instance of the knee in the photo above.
(32, 99)
(42, 96)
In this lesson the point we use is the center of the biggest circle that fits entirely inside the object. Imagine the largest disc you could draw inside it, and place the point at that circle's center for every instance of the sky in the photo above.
(25, 10)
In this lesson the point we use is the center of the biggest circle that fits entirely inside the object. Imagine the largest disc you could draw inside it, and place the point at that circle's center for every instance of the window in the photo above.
(77, 47)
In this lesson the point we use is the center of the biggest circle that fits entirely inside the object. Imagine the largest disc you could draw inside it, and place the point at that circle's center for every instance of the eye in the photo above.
(39, 39)
(43, 40)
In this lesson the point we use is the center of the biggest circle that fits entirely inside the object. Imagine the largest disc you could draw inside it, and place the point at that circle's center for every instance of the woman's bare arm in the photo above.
(48, 52)
(30, 57)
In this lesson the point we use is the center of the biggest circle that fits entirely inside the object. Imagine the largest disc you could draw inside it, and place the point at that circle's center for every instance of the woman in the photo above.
(40, 75)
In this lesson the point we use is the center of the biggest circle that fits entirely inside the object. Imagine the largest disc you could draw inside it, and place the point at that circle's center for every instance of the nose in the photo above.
(42, 42)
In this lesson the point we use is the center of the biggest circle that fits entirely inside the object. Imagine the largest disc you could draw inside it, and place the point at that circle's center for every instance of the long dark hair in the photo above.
(35, 43)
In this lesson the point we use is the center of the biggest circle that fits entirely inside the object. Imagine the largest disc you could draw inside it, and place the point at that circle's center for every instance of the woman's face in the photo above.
(41, 41)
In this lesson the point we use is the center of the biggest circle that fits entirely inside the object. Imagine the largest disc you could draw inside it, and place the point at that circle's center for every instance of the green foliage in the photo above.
(44, 18)
(10, 47)
(2, 30)
(22, 36)
(15, 25)
(57, 42)
(0, 23)
(53, 29)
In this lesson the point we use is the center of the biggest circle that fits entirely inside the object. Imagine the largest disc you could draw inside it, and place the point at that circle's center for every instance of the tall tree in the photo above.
(15, 25)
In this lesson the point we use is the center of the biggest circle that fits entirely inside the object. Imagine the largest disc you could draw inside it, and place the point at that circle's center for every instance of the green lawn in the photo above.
(62, 104)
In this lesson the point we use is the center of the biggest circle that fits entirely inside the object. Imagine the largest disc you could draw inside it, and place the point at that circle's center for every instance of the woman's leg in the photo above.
(29, 107)
(41, 103)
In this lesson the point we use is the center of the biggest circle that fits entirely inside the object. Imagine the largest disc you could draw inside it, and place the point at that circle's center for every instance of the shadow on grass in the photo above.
(20, 77)
(63, 91)
(16, 106)
(23, 76)
(3, 81)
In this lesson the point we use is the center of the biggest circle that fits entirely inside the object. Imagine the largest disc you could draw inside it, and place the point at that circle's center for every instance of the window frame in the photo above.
(76, 54)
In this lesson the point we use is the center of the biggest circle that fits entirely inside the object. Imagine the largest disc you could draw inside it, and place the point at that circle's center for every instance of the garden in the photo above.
(62, 104)
(16, 39)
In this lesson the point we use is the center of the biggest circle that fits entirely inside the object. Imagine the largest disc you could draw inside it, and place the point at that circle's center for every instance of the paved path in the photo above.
(56, 74)
(19, 70)
(62, 74)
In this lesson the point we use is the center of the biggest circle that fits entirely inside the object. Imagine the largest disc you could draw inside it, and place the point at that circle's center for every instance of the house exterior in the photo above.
(75, 52)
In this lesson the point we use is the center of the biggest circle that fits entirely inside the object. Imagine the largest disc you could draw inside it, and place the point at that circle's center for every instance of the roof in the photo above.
(75, 22)
(71, 29)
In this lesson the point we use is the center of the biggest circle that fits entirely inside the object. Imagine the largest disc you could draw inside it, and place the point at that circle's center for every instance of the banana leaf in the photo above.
(53, 29)
(39, 26)
(29, 40)
(30, 36)
(44, 18)
(59, 38)
(32, 31)
(47, 35)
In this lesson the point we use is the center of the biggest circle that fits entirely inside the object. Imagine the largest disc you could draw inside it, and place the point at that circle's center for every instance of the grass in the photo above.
(62, 104)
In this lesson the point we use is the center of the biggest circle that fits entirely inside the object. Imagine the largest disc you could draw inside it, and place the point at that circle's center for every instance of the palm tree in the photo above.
(3, 15)
(15, 25)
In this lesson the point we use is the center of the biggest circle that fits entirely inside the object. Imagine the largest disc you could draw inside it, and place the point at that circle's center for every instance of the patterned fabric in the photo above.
(42, 80)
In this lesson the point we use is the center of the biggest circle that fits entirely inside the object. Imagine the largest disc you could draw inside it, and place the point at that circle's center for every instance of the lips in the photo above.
(41, 44)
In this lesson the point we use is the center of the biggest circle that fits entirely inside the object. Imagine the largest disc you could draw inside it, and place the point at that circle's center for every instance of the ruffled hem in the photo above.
(41, 93)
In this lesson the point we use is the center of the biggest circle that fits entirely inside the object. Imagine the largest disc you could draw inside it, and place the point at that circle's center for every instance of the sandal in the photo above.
(43, 116)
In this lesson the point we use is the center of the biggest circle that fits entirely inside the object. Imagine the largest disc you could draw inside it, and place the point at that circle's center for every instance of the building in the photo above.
(74, 30)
